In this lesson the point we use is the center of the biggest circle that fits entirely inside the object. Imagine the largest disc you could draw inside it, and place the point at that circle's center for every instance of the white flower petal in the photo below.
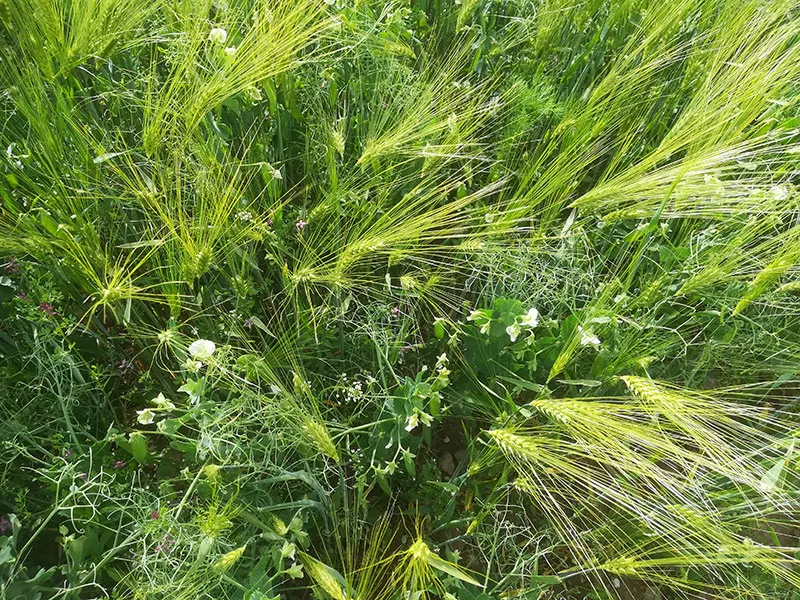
(588, 338)
(412, 422)
(513, 331)
(530, 319)
(218, 34)
(202, 349)
(146, 416)
(162, 403)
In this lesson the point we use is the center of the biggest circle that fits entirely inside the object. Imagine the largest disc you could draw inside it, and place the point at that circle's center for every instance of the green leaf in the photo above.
(108, 156)
(384, 485)
(451, 569)
(195, 388)
(138, 446)
(6, 555)
(769, 482)
(141, 244)
(408, 460)
(48, 222)
(184, 447)
(260, 324)
(169, 426)
(582, 382)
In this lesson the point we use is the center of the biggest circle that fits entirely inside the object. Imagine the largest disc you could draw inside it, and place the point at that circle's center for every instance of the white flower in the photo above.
(202, 349)
(193, 366)
(416, 417)
(218, 34)
(452, 121)
(230, 51)
(146, 416)
(288, 550)
(513, 331)
(162, 403)
(588, 338)
(475, 314)
(412, 421)
(253, 94)
(780, 192)
(530, 319)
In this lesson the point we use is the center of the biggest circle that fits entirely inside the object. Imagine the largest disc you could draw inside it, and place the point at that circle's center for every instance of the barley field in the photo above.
(399, 299)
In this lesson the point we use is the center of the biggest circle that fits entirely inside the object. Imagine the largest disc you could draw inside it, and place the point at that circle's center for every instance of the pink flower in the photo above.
(166, 545)
(47, 309)
(300, 225)
(119, 464)
(12, 266)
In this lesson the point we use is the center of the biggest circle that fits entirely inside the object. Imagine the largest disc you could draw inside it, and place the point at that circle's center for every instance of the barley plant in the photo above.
(399, 299)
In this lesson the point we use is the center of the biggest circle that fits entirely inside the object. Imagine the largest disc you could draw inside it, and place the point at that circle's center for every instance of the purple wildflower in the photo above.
(47, 309)
(166, 545)
(12, 266)
(395, 312)
(119, 464)
(300, 225)
(126, 367)
(248, 323)
(154, 515)
(5, 525)
(23, 296)
(68, 453)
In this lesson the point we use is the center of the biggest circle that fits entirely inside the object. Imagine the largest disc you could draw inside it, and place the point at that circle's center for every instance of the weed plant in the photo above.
(390, 300)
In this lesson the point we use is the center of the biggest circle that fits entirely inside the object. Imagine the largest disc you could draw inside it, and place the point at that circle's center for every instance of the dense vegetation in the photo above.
(397, 300)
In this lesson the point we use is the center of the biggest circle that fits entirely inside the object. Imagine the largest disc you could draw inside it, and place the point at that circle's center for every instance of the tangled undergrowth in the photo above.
(398, 300)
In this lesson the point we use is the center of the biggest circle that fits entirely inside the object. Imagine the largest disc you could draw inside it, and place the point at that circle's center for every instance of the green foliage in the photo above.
(376, 300)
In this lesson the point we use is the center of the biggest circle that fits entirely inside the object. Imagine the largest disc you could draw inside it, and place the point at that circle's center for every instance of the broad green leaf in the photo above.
(451, 569)
(138, 446)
